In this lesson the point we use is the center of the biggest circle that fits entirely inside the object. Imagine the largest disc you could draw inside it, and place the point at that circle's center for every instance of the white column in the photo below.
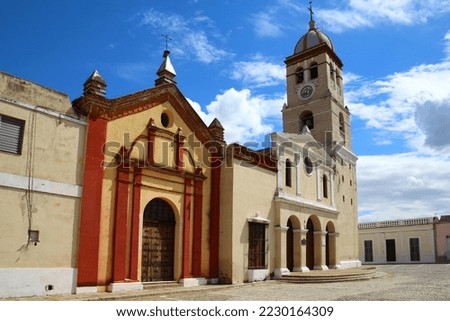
(280, 175)
(298, 176)
(332, 188)
(280, 258)
(319, 186)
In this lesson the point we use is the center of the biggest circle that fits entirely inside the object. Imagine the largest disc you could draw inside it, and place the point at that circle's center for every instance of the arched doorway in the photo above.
(158, 239)
(290, 246)
(330, 245)
(310, 244)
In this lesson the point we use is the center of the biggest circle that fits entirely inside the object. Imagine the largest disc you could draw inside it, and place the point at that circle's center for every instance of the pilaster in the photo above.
(280, 259)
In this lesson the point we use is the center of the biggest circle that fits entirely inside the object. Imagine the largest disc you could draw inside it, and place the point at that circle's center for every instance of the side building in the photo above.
(41, 172)
(398, 241)
(443, 239)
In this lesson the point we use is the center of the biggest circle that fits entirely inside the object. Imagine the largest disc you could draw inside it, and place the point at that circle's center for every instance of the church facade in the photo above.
(163, 198)
(293, 207)
(149, 202)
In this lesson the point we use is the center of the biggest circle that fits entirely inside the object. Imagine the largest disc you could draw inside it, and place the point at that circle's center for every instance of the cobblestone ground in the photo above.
(425, 282)
(422, 282)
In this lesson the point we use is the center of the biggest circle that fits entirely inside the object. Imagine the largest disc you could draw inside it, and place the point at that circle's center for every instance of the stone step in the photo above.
(161, 285)
(330, 276)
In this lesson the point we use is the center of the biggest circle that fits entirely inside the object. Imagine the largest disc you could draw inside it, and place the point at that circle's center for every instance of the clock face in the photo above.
(306, 91)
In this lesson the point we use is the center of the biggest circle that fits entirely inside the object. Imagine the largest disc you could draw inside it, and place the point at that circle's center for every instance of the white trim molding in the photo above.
(40, 185)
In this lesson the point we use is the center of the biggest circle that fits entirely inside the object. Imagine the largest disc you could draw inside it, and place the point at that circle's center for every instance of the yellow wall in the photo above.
(246, 190)
(41, 190)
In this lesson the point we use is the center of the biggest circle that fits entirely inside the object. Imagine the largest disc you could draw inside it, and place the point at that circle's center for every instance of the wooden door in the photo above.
(158, 235)
(390, 251)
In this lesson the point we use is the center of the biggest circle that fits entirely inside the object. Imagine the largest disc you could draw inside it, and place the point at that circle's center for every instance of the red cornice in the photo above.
(110, 109)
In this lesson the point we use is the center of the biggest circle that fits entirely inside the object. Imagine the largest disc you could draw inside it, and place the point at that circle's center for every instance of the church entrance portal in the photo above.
(158, 238)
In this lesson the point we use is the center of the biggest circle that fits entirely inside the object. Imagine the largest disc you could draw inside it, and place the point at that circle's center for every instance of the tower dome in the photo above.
(312, 38)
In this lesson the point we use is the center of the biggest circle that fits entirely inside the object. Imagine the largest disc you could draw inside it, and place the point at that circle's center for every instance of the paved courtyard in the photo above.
(395, 283)
(424, 282)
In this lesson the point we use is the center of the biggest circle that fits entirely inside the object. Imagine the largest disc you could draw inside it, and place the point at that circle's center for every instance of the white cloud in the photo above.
(258, 73)
(367, 13)
(413, 105)
(203, 50)
(193, 36)
(447, 44)
(402, 186)
(245, 117)
(265, 25)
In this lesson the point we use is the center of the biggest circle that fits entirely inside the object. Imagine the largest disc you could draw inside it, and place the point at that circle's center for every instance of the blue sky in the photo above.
(229, 58)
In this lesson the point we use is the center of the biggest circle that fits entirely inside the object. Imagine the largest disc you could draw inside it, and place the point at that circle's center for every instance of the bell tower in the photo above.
(315, 95)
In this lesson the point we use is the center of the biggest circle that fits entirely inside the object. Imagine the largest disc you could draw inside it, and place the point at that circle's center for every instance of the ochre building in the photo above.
(149, 202)
(157, 195)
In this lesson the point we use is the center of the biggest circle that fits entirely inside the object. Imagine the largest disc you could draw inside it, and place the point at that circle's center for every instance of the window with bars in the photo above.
(257, 246)
(368, 251)
(11, 134)
(414, 249)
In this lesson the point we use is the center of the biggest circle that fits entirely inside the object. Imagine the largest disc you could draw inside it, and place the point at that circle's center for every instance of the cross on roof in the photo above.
(311, 12)
(167, 40)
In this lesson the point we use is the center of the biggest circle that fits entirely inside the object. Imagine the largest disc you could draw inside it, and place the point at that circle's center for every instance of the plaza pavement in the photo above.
(419, 282)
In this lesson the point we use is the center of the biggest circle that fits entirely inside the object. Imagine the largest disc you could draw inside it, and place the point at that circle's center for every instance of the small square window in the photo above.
(11, 134)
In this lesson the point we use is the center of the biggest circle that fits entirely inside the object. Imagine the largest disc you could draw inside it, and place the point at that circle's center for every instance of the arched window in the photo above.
(308, 165)
(338, 80)
(288, 173)
(341, 123)
(300, 75)
(325, 186)
(306, 118)
(313, 71)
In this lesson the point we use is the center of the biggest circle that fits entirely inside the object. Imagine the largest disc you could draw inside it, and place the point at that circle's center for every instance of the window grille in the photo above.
(11, 134)
(257, 243)
(414, 249)
(368, 251)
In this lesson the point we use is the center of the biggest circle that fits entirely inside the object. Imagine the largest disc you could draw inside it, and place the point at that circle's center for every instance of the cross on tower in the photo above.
(167, 40)
(311, 12)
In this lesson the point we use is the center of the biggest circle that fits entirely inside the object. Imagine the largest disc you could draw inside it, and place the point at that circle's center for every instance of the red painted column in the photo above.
(197, 233)
(136, 224)
(186, 273)
(121, 227)
(214, 228)
(89, 241)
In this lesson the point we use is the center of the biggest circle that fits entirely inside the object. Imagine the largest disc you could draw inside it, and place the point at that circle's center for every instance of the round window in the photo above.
(165, 120)
(308, 165)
